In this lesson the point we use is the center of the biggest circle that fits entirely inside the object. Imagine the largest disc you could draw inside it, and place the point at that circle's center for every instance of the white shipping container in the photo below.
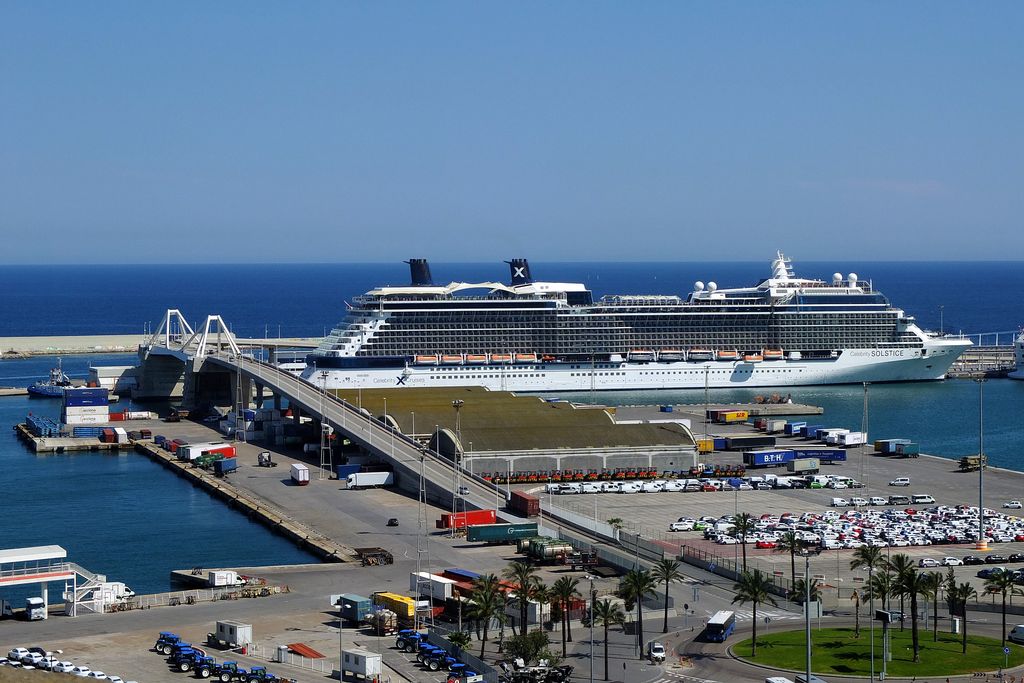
(440, 587)
(85, 419)
(852, 439)
(192, 451)
(86, 410)
(300, 474)
(139, 415)
(122, 434)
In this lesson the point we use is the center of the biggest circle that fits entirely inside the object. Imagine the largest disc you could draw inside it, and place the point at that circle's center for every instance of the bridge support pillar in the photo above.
(259, 395)
(272, 355)
(297, 415)
(277, 401)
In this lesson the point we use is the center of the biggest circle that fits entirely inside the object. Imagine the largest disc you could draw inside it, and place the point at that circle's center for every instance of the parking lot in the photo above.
(651, 513)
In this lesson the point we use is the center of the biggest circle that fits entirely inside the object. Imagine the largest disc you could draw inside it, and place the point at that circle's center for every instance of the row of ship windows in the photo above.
(686, 372)
(503, 375)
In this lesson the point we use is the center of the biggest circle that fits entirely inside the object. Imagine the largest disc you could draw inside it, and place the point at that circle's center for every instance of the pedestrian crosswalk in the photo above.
(674, 677)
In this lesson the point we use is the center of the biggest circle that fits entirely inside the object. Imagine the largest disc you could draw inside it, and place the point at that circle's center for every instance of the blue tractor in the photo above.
(165, 641)
(408, 639)
(192, 659)
(439, 660)
(230, 671)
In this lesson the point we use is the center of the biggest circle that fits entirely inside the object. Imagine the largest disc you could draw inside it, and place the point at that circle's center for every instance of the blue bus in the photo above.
(720, 626)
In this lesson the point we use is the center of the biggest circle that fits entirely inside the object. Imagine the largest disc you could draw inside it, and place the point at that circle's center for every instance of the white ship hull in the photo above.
(851, 366)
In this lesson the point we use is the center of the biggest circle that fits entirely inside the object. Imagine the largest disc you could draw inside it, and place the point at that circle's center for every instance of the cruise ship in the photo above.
(533, 336)
(1018, 356)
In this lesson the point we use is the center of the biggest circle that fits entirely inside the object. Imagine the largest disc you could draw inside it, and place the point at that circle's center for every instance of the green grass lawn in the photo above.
(835, 650)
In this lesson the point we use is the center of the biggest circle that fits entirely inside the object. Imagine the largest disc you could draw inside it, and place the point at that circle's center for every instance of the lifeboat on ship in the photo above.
(641, 356)
(501, 357)
(752, 358)
(526, 358)
(453, 359)
(772, 354)
(700, 354)
(728, 354)
(476, 358)
(425, 360)
(670, 355)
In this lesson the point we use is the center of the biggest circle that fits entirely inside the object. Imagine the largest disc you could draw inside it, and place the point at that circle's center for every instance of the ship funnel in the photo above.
(419, 271)
(520, 271)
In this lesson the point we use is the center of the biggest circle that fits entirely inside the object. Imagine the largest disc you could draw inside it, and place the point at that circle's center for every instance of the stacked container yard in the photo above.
(84, 406)
(42, 426)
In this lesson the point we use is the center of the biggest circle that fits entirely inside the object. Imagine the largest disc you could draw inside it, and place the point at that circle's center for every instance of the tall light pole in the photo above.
(807, 610)
(593, 604)
(982, 541)
(457, 405)
(871, 624)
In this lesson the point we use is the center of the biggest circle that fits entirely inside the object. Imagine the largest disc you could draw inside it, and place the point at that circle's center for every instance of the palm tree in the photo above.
(1003, 584)
(902, 566)
(460, 639)
(753, 587)
(950, 588)
(933, 584)
(800, 590)
(564, 591)
(855, 597)
(524, 576)
(606, 613)
(913, 583)
(961, 594)
(743, 526)
(667, 572)
(486, 603)
(870, 558)
(635, 587)
(790, 543)
(543, 596)
(880, 587)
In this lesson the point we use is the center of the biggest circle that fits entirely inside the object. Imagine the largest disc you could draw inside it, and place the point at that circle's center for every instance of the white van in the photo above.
(1016, 634)
(840, 503)
(777, 679)
(922, 500)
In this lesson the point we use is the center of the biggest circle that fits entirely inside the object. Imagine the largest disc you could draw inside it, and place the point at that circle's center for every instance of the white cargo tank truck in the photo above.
(363, 480)
(300, 474)
(804, 465)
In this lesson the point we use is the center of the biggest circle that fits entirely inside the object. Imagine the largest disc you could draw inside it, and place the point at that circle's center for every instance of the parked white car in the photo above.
(927, 562)
(1012, 505)
(900, 481)
(82, 671)
(952, 562)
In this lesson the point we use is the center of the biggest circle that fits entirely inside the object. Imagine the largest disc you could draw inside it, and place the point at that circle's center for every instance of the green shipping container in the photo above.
(500, 533)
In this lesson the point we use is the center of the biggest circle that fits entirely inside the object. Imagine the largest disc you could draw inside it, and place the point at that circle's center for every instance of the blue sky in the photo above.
(337, 131)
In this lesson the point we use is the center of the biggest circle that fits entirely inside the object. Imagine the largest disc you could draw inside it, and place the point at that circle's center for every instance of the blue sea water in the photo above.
(120, 514)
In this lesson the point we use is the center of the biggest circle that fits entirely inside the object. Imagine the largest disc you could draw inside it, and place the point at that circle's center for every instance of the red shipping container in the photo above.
(524, 504)
(116, 417)
(460, 520)
(226, 451)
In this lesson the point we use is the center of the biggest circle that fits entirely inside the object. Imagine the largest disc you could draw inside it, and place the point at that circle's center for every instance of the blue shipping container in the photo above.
(465, 574)
(719, 444)
(354, 608)
(823, 454)
(86, 401)
(87, 432)
(667, 409)
(344, 470)
(222, 467)
(794, 427)
(83, 392)
(810, 431)
(775, 458)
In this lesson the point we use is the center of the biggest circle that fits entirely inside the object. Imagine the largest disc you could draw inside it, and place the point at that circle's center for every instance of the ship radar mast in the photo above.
(782, 268)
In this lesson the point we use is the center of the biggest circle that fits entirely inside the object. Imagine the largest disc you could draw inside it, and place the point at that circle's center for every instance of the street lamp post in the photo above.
(982, 541)
(871, 627)
(593, 604)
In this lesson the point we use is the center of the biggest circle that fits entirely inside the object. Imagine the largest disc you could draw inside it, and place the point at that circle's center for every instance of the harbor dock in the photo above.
(63, 444)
